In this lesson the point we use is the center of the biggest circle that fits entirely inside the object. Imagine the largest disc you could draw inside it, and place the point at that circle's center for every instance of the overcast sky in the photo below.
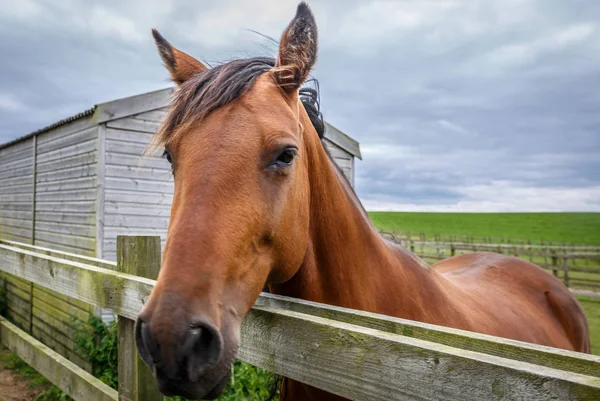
(458, 105)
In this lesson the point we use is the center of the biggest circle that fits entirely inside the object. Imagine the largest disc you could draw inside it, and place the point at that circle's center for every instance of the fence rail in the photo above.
(355, 354)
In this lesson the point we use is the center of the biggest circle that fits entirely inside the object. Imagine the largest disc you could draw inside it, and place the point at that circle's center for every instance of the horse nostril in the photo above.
(203, 346)
(146, 344)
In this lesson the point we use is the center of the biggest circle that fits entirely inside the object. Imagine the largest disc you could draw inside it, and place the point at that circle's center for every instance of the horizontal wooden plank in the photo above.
(18, 172)
(74, 257)
(23, 295)
(18, 198)
(19, 307)
(65, 248)
(154, 115)
(51, 141)
(65, 129)
(127, 148)
(119, 195)
(111, 233)
(366, 364)
(9, 182)
(16, 147)
(50, 340)
(17, 282)
(67, 241)
(506, 348)
(58, 309)
(122, 293)
(87, 147)
(135, 221)
(81, 159)
(16, 164)
(66, 207)
(120, 159)
(149, 187)
(133, 208)
(15, 214)
(25, 187)
(79, 194)
(146, 173)
(12, 154)
(19, 223)
(15, 231)
(128, 136)
(11, 237)
(54, 324)
(110, 244)
(19, 320)
(58, 330)
(134, 124)
(67, 173)
(73, 307)
(68, 218)
(132, 105)
(75, 183)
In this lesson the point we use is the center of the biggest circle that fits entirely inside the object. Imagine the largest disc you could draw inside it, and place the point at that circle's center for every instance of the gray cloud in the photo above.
(457, 105)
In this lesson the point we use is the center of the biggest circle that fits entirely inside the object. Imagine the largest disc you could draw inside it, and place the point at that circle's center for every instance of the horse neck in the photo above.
(347, 262)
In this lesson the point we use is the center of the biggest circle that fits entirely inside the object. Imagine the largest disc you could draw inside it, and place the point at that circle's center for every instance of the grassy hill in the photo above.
(581, 228)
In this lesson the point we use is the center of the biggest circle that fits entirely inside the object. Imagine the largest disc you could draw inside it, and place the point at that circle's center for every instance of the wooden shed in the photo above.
(77, 184)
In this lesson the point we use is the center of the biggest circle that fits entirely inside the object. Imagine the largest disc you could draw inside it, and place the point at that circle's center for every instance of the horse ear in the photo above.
(297, 50)
(181, 65)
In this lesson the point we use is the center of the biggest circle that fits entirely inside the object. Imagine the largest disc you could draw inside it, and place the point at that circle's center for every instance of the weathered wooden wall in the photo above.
(48, 197)
(138, 191)
(16, 221)
(16, 191)
(65, 195)
(343, 149)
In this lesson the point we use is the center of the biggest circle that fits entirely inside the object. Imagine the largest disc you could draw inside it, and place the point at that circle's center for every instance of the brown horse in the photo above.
(259, 201)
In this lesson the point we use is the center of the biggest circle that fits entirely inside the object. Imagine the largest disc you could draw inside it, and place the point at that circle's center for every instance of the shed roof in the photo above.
(132, 105)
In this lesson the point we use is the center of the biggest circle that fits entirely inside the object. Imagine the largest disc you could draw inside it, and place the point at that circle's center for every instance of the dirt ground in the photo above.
(14, 387)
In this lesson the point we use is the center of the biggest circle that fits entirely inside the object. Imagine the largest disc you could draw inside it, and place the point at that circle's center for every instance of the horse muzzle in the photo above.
(193, 366)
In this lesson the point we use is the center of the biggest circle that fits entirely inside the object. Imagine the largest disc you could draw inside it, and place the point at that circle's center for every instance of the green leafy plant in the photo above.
(97, 342)
(248, 383)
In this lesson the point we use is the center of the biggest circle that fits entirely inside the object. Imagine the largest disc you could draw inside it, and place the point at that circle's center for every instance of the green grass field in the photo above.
(579, 228)
(591, 306)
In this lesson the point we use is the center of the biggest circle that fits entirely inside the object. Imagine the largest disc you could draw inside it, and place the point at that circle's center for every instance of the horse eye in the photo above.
(286, 157)
(167, 156)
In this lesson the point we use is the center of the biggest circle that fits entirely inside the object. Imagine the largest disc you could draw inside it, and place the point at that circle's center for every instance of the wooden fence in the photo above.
(578, 266)
(355, 354)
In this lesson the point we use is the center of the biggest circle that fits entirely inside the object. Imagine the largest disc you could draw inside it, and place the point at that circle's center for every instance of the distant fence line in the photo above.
(465, 238)
(578, 266)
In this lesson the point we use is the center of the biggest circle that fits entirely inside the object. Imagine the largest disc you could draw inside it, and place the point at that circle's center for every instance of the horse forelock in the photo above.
(219, 86)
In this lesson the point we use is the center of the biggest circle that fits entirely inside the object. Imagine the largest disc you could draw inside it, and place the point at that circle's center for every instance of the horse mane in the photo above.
(220, 85)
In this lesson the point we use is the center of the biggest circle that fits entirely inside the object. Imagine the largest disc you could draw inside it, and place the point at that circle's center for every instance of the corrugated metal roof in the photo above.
(77, 116)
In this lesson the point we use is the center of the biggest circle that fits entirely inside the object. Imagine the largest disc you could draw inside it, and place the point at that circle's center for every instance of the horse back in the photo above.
(509, 297)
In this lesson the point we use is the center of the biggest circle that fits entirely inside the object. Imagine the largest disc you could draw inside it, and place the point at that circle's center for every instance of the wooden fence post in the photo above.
(138, 255)
(566, 270)
(554, 263)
